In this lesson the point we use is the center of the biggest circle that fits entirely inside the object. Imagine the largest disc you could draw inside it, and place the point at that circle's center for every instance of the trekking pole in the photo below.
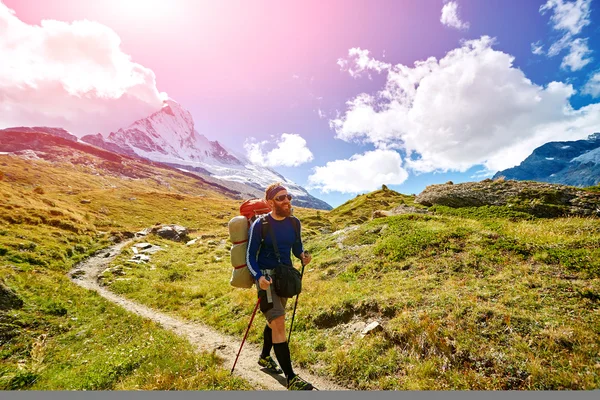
(296, 304)
(247, 330)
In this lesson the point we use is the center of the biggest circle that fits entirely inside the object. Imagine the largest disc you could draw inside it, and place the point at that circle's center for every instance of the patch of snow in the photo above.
(565, 147)
(590, 156)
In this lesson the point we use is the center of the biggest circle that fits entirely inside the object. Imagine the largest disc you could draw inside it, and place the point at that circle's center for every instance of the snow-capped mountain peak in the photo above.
(169, 136)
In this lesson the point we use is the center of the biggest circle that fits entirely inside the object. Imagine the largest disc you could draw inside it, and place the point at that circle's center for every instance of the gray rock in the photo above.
(140, 258)
(371, 328)
(172, 232)
(151, 250)
(144, 245)
(8, 298)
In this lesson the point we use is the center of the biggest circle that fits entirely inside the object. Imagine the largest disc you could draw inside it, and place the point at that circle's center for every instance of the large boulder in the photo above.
(536, 198)
(172, 232)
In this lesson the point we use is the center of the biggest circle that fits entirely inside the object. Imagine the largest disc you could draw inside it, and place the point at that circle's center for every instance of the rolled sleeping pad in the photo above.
(238, 229)
(238, 234)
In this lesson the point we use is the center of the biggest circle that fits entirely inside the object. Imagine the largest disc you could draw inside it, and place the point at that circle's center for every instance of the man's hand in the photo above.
(264, 283)
(305, 257)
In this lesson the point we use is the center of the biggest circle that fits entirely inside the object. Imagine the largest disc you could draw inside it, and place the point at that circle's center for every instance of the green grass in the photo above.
(68, 338)
(484, 302)
(75, 340)
(485, 298)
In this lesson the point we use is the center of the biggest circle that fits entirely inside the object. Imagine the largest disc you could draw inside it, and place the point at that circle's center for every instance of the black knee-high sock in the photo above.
(282, 352)
(267, 341)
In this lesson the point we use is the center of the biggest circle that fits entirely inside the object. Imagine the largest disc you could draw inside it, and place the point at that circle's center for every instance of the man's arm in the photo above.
(298, 248)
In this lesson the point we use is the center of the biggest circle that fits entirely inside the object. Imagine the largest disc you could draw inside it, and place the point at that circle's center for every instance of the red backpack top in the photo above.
(254, 207)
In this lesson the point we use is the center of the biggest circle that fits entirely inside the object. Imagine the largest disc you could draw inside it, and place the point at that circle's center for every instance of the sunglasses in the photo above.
(282, 197)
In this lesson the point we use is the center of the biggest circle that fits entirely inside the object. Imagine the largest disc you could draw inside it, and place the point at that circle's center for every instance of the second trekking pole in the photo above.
(247, 330)
(296, 304)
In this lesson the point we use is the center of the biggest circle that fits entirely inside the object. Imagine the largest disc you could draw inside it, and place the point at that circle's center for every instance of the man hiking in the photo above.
(266, 255)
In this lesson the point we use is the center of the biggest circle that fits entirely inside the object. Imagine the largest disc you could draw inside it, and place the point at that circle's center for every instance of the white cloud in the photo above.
(578, 56)
(451, 18)
(570, 16)
(290, 151)
(359, 61)
(537, 48)
(592, 87)
(362, 172)
(70, 75)
(471, 107)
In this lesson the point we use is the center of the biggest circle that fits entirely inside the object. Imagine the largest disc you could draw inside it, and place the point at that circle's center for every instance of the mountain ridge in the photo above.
(574, 163)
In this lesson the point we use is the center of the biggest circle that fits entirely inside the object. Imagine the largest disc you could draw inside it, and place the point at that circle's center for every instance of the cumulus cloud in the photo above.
(592, 87)
(70, 75)
(450, 16)
(360, 173)
(568, 18)
(469, 108)
(359, 61)
(289, 151)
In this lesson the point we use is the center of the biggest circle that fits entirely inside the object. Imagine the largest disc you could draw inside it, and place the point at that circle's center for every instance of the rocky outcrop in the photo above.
(536, 198)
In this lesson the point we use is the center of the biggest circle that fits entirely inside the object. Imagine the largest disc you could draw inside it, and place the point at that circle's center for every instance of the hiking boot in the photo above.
(297, 383)
(269, 364)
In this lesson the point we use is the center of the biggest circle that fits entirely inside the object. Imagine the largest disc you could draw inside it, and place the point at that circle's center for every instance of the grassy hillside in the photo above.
(54, 214)
(470, 298)
(480, 298)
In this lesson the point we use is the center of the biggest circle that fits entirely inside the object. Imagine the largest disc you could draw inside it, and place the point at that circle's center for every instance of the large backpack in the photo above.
(239, 226)
(238, 234)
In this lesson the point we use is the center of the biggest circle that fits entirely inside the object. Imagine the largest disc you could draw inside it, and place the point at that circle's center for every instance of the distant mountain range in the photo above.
(575, 163)
(168, 136)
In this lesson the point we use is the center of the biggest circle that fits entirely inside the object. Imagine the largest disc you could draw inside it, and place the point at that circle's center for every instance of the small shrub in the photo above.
(21, 380)
(38, 190)
(55, 308)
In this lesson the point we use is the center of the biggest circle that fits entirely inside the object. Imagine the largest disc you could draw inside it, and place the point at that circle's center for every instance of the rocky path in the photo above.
(203, 337)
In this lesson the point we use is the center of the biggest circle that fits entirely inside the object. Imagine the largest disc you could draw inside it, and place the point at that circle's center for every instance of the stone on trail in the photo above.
(143, 245)
(371, 328)
(172, 232)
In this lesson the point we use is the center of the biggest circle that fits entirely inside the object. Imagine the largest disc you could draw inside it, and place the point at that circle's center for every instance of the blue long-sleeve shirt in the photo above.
(264, 257)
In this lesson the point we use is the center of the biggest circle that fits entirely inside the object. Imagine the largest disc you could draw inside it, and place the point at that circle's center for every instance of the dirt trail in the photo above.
(86, 273)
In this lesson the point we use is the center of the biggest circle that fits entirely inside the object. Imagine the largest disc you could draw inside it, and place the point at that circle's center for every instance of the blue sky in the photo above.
(339, 96)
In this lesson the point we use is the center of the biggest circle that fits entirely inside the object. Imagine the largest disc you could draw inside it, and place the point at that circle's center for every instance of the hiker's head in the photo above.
(279, 200)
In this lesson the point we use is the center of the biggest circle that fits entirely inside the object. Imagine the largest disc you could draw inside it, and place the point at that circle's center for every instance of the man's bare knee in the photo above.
(278, 329)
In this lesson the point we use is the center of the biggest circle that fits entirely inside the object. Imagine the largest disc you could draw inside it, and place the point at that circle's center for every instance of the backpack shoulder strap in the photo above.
(264, 225)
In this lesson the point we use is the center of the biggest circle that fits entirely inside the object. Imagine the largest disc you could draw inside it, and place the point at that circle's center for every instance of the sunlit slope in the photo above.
(54, 213)
(470, 298)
